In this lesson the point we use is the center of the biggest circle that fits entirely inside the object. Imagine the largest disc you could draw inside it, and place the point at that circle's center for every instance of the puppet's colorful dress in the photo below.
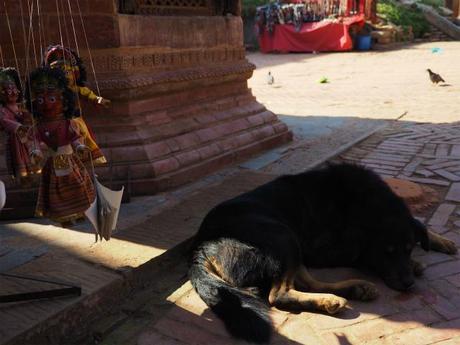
(69, 62)
(18, 160)
(66, 190)
(86, 132)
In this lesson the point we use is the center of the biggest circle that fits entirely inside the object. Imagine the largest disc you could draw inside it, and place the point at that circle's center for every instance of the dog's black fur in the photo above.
(341, 215)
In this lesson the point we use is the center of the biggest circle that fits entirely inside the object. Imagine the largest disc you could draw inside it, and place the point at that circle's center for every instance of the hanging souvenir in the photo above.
(16, 122)
(66, 190)
(67, 60)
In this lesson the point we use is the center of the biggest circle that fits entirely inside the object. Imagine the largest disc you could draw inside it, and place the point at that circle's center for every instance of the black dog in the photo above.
(256, 247)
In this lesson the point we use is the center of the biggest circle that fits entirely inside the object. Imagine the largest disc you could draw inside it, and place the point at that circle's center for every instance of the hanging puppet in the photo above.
(67, 60)
(66, 189)
(16, 122)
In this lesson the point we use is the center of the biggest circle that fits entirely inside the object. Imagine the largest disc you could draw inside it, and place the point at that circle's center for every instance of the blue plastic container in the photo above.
(363, 42)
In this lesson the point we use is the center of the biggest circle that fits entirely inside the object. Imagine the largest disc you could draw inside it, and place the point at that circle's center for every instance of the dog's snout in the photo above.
(408, 283)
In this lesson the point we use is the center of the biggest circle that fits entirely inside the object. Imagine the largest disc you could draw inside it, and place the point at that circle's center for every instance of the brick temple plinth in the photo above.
(177, 77)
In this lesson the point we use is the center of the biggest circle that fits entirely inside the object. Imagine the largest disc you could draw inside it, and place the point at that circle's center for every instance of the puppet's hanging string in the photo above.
(11, 39)
(41, 33)
(73, 28)
(89, 50)
(1, 56)
(31, 37)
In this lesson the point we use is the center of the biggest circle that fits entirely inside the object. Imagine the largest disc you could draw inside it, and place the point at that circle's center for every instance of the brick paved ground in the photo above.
(364, 88)
(430, 314)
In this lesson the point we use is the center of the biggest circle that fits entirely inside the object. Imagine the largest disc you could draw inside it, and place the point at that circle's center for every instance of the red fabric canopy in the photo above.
(320, 36)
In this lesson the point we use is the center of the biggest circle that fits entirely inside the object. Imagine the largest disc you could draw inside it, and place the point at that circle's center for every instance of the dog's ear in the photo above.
(421, 234)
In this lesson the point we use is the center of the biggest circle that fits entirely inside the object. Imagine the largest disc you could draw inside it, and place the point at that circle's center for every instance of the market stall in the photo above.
(309, 26)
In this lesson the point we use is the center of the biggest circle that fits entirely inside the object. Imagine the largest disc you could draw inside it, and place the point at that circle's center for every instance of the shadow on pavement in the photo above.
(142, 296)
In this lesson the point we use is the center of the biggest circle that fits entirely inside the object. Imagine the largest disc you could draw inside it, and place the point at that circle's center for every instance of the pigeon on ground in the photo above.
(435, 78)
(270, 78)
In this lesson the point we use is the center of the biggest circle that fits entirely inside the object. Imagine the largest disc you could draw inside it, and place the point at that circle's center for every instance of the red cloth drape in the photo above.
(320, 36)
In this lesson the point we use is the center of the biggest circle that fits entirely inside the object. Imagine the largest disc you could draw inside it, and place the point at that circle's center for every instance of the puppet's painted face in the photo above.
(49, 104)
(9, 92)
(72, 74)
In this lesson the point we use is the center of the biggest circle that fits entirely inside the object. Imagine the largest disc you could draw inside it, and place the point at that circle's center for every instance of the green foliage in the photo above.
(405, 17)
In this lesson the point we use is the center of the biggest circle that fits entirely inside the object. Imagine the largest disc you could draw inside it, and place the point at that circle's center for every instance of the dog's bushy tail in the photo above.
(244, 314)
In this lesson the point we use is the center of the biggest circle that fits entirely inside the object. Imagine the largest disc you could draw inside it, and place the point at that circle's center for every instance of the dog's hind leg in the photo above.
(285, 297)
(356, 289)
(441, 244)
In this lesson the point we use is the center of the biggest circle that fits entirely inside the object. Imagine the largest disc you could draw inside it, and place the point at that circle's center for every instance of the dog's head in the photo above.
(389, 252)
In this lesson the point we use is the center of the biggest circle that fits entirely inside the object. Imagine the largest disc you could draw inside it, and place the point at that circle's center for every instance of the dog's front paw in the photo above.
(417, 268)
(447, 246)
(332, 304)
(364, 291)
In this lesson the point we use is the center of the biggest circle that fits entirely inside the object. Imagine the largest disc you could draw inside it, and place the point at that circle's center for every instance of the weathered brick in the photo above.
(268, 116)
(151, 337)
(207, 134)
(209, 151)
(280, 127)
(432, 258)
(192, 335)
(296, 329)
(446, 308)
(188, 157)
(264, 132)
(455, 150)
(388, 157)
(244, 139)
(425, 180)
(227, 144)
(454, 279)
(442, 150)
(157, 149)
(423, 335)
(382, 161)
(186, 141)
(256, 119)
(444, 164)
(446, 174)
(442, 214)
(443, 270)
(410, 168)
(378, 328)
(454, 192)
(205, 119)
(164, 166)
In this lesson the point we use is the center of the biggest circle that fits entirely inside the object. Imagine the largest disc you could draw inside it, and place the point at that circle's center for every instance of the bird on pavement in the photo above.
(270, 78)
(434, 77)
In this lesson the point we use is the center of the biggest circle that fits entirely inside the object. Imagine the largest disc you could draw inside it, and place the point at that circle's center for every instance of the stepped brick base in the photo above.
(181, 107)
(173, 139)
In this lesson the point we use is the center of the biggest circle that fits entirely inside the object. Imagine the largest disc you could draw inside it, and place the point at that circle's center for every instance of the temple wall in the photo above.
(181, 107)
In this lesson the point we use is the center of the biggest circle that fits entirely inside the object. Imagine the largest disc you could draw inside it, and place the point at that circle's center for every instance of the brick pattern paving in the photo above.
(72, 256)
(430, 314)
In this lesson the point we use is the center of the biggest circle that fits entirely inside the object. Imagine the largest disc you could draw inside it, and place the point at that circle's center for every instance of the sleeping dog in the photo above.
(252, 251)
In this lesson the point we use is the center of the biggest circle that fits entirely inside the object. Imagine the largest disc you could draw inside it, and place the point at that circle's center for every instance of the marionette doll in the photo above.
(68, 61)
(16, 122)
(66, 189)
